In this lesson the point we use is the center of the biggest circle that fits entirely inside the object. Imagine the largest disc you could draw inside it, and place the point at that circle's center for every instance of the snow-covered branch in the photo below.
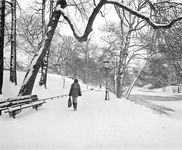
(144, 17)
(83, 37)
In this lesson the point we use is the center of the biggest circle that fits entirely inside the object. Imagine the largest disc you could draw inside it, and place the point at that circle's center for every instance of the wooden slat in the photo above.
(14, 111)
(15, 102)
(5, 104)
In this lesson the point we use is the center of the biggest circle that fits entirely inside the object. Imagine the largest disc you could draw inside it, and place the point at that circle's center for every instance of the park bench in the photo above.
(13, 106)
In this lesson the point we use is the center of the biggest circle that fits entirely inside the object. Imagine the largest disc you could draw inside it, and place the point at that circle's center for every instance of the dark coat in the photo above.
(75, 90)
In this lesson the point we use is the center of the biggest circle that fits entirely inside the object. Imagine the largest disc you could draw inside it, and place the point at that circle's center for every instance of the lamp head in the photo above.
(106, 64)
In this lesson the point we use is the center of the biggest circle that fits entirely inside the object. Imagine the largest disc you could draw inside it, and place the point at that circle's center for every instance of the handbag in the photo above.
(69, 102)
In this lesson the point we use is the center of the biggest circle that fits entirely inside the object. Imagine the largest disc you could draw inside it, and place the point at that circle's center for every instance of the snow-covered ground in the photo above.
(98, 124)
(167, 103)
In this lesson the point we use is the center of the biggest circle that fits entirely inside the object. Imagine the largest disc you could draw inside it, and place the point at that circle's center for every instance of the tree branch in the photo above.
(88, 30)
(83, 37)
(144, 17)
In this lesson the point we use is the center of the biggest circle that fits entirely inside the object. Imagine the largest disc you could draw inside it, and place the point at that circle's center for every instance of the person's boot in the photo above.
(75, 106)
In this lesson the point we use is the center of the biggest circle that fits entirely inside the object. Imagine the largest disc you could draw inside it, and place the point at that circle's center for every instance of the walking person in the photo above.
(75, 91)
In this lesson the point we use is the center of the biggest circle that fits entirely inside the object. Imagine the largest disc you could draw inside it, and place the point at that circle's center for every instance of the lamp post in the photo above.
(106, 65)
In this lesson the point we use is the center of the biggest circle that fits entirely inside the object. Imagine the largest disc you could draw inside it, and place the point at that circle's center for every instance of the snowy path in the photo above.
(98, 124)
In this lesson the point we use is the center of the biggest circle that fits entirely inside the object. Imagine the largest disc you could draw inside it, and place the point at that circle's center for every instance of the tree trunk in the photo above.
(33, 69)
(122, 64)
(118, 88)
(66, 71)
(13, 75)
(115, 78)
(74, 73)
(132, 85)
(118, 79)
(2, 23)
(84, 76)
(45, 63)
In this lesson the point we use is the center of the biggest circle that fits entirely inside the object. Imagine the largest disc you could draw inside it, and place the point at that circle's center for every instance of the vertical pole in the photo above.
(115, 78)
(63, 82)
(106, 86)
(107, 91)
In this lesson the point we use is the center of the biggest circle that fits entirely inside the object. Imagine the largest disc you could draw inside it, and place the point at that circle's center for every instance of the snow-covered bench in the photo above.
(15, 105)
(14, 111)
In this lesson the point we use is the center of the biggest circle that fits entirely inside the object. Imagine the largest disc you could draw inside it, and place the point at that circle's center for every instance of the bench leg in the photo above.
(13, 113)
(36, 106)
(10, 114)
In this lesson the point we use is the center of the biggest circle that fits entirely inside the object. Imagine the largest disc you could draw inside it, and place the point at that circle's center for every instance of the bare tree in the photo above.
(13, 75)
(44, 66)
(31, 74)
(63, 53)
(2, 23)
(29, 33)
(43, 47)
(86, 48)
(119, 40)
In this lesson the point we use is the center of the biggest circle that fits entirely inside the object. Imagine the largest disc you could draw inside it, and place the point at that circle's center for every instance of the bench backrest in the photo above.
(22, 98)
(18, 100)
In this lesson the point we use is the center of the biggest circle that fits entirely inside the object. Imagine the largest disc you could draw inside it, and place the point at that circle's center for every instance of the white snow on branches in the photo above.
(69, 20)
(144, 16)
(49, 28)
